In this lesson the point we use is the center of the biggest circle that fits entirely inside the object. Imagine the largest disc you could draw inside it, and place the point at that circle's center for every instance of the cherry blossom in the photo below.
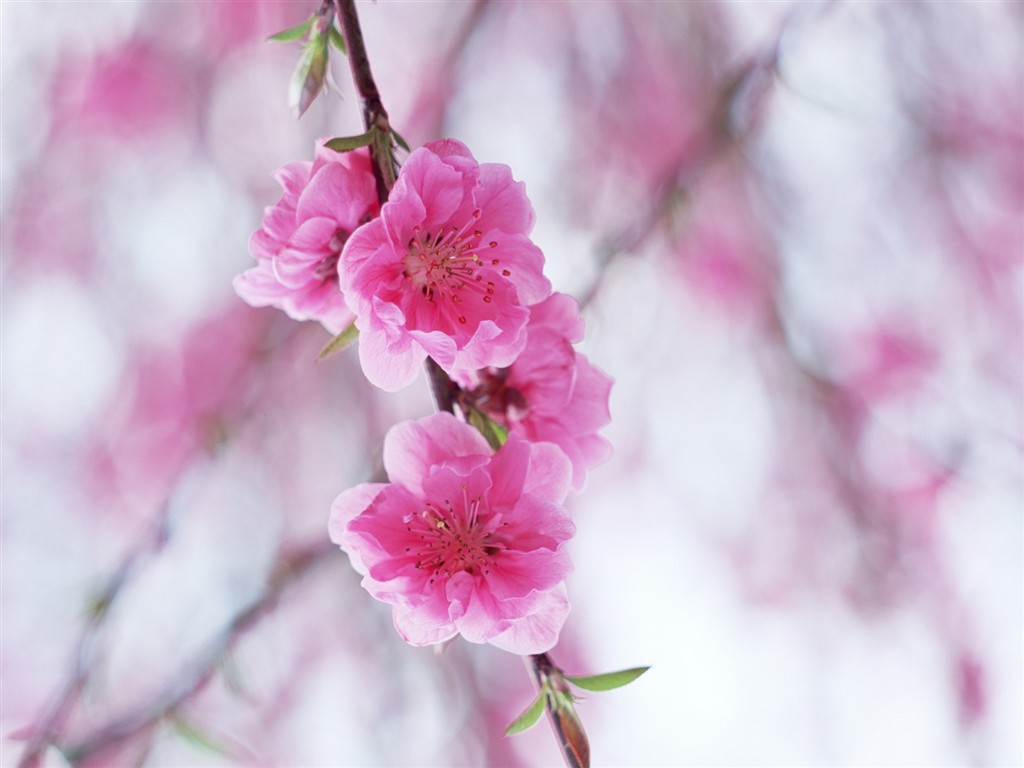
(298, 246)
(551, 393)
(463, 540)
(448, 269)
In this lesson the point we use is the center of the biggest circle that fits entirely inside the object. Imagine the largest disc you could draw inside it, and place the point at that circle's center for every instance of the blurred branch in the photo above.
(727, 131)
(47, 729)
(289, 569)
(433, 103)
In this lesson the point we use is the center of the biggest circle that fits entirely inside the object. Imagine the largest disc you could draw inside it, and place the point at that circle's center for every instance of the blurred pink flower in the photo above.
(463, 540)
(446, 271)
(131, 93)
(551, 393)
(298, 246)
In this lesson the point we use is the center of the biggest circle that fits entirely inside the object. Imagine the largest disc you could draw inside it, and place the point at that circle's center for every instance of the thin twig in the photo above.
(288, 570)
(48, 727)
(374, 114)
(572, 738)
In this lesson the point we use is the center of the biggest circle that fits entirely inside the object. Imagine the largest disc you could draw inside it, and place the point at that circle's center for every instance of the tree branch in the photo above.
(374, 114)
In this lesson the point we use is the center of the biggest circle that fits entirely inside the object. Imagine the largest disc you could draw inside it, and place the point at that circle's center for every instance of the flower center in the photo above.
(453, 542)
(495, 398)
(445, 266)
(327, 269)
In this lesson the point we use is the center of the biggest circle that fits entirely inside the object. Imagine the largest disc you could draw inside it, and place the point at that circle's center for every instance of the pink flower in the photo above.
(551, 393)
(463, 540)
(446, 271)
(298, 246)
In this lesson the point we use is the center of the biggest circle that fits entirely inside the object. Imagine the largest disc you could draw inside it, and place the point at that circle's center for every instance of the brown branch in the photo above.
(561, 715)
(563, 719)
(375, 117)
(374, 114)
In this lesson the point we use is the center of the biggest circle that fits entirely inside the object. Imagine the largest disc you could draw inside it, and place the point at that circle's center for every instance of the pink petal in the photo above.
(345, 508)
(538, 631)
(389, 364)
(502, 200)
(367, 241)
(258, 287)
(293, 177)
(524, 260)
(508, 471)
(549, 474)
(560, 313)
(518, 574)
(439, 186)
(424, 623)
(413, 448)
(338, 194)
(313, 234)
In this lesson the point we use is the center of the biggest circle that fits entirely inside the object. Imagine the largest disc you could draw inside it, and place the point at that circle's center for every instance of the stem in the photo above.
(442, 388)
(561, 715)
(568, 729)
(374, 114)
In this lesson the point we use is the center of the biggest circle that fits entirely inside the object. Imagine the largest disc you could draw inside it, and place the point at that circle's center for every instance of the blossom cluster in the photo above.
(468, 536)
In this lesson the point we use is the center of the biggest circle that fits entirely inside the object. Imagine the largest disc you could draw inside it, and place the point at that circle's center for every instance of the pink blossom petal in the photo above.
(525, 263)
(549, 474)
(412, 448)
(344, 509)
(453, 544)
(522, 573)
(293, 177)
(502, 200)
(559, 311)
(337, 194)
(428, 272)
(301, 236)
(425, 623)
(390, 364)
(427, 178)
(538, 631)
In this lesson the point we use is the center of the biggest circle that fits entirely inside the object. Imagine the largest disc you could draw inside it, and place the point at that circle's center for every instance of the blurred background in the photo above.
(796, 230)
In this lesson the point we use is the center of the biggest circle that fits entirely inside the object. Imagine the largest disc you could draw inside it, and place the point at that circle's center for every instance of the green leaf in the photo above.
(348, 143)
(197, 737)
(493, 432)
(529, 717)
(342, 341)
(607, 681)
(308, 79)
(294, 33)
(337, 40)
(400, 141)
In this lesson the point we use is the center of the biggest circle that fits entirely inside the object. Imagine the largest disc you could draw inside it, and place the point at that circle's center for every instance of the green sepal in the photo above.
(198, 738)
(400, 141)
(308, 80)
(529, 717)
(607, 681)
(294, 33)
(343, 340)
(493, 432)
(348, 143)
(337, 40)
(572, 735)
